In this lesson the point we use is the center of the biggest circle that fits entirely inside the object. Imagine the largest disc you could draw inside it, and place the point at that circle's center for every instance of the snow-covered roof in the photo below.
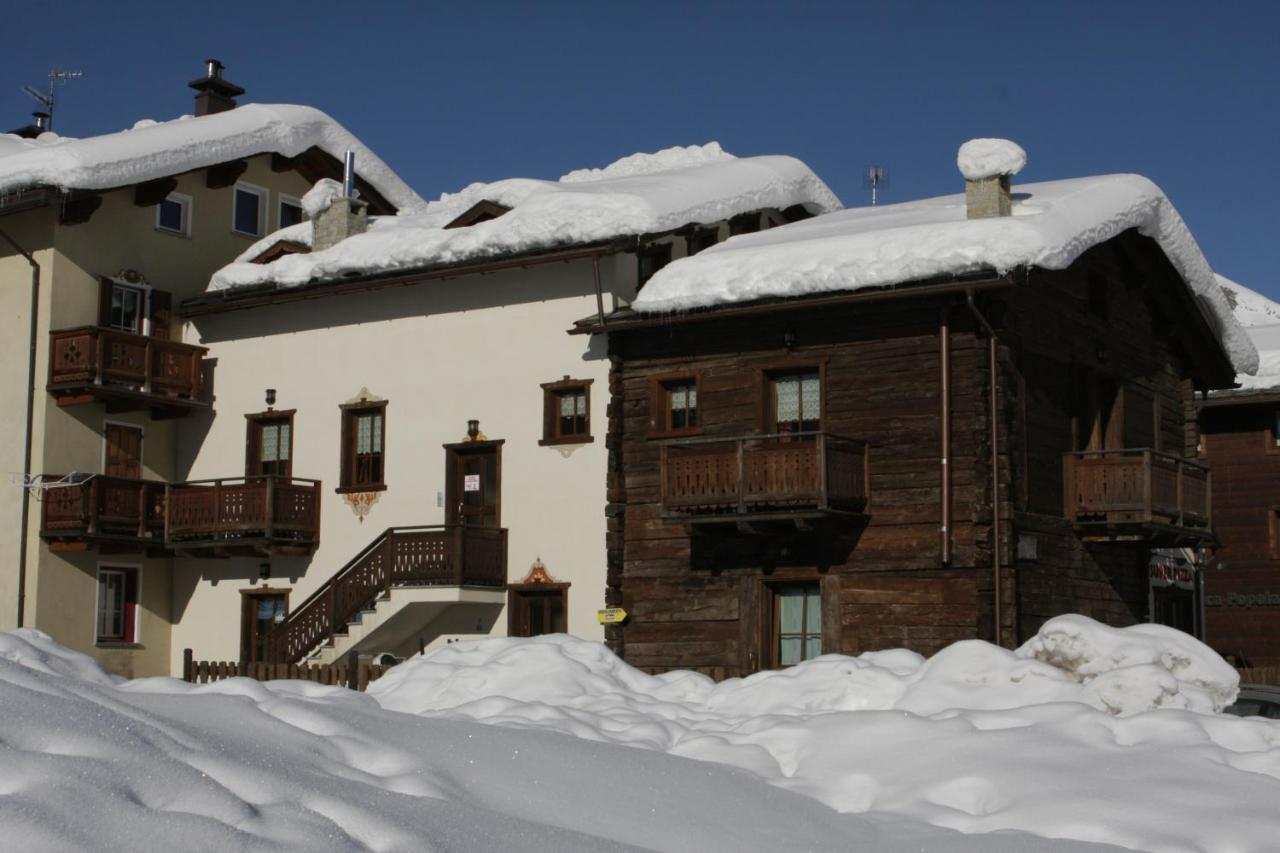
(640, 194)
(1261, 318)
(1053, 223)
(151, 150)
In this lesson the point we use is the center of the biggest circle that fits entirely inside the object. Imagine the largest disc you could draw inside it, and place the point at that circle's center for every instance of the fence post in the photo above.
(188, 671)
(353, 670)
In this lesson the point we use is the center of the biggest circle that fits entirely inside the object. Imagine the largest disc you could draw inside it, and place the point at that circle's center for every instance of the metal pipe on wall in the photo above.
(27, 438)
(944, 355)
(996, 591)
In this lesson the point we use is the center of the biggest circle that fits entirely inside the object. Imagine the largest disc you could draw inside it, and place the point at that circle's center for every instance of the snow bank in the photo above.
(159, 765)
(1052, 224)
(987, 158)
(640, 194)
(153, 150)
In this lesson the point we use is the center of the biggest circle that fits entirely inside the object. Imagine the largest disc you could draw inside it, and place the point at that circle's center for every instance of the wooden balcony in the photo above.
(440, 555)
(125, 371)
(1137, 494)
(243, 516)
(790, 477)
(109, 512)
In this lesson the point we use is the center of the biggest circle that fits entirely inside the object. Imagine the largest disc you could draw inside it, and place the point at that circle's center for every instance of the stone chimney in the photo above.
(987, 166)
(213, 94)
(334, 209)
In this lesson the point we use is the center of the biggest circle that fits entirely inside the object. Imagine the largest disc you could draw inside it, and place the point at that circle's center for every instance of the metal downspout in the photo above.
(995, 469)
(944, 355)
(31, 399)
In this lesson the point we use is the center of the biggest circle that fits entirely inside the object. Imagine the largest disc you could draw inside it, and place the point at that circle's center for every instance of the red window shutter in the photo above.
(105, 286)
(161, 313)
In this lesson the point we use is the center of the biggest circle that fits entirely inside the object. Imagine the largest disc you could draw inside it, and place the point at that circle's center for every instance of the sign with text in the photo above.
(611, 616)
(471, 483)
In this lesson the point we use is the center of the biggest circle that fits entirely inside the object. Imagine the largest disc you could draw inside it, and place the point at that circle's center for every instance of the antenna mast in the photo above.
(56, 78)
(875, 177)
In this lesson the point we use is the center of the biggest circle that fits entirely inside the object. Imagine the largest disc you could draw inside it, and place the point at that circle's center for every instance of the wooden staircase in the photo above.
(437, 555)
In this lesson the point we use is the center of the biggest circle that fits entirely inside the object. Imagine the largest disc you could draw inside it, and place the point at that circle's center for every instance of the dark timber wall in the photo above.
(701, 599)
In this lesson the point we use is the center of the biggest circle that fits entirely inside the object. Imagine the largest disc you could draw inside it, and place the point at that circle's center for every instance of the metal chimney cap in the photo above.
(213, 68)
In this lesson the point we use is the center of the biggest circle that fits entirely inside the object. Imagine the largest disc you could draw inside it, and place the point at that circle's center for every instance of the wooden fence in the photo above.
(349, 672)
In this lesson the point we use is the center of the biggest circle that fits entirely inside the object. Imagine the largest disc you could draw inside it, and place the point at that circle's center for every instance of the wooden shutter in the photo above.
(105, 286)
(124, 451)
(161, 314)
(1139, 417)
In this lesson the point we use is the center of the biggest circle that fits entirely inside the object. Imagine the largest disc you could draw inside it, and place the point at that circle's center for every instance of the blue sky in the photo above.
(1185, 93)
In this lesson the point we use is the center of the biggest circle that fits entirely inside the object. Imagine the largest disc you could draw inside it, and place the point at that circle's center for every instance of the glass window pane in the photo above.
(246, 216)
(813, 614)
(364, 434)
(283, 452)
(810, 394)
(270, 443)
(566, 406)
(789, 651)
(290, 214)
(813, 648)
(170, 215)
(377, 433)
(787, 396)
(790, 610)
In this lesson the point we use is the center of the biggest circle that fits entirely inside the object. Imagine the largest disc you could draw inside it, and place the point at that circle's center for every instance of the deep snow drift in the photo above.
(1056, 739)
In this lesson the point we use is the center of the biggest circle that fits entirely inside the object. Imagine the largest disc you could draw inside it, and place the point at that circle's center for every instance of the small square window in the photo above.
(174, 214)
(248, 208)
(290, 211)
(117, 613)
(566, 412)
(674, 402)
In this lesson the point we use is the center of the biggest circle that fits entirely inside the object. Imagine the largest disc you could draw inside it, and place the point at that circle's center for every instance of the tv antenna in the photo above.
(875, 177)
(56, 78)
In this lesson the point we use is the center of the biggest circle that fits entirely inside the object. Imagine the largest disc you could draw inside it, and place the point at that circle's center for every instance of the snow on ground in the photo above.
(153, 150)
(639, 194)
(1053, 223)
(1084, 739)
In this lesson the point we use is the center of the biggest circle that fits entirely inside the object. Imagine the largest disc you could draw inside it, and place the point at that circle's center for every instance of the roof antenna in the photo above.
(875, 177)
(56, 78)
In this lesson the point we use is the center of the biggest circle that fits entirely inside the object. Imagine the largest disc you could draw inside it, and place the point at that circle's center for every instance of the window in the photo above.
(117, 617)
(363, 458)
(795, 401)
(128, 307)
(174, 214)
(1273, 531)
(797, 623)
(675, 405)
(651, 259)
(701, 238)
(248, 209)
(566, 412)
(290, 211)
(269, 444)
(744, 223)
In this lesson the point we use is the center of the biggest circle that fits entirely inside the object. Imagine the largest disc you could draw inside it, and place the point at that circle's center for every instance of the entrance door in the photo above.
(473, 491)
(537, 611)
(123, 453)
(261, 612)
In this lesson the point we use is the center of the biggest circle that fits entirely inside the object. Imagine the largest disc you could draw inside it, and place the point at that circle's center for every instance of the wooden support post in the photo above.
(821, 450)
(269, 509)
(353, 670)
(188, 665)
(742, 477)
(1147, 507)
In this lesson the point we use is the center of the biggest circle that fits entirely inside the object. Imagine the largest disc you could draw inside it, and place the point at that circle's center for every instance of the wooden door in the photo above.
(474, 487)
(538, 611)
(260, 613)
(1099, 422)
(123, 454)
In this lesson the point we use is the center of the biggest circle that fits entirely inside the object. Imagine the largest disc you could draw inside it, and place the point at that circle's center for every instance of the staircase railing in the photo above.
(436, 555)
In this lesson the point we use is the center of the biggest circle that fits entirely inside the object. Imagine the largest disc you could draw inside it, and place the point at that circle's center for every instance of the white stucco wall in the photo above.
(441, 353)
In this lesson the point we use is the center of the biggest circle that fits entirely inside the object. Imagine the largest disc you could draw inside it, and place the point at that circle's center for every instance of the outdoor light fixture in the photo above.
(271, 397)
(789, 340)
(473, 429)
(264, 570)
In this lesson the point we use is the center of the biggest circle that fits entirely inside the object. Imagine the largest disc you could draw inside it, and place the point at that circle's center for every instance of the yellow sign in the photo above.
(611, 616)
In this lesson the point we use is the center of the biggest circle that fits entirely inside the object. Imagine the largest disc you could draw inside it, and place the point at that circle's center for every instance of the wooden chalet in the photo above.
(907, 465)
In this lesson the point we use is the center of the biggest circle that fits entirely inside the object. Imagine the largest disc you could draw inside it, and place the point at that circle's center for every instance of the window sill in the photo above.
(245, 234)
(676, 433)
(568, 439)
(183, 234)
(350, 490)
(117, 644)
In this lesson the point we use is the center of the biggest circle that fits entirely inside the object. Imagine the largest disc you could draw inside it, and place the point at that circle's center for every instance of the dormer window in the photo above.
(290, 211)
(481, 211)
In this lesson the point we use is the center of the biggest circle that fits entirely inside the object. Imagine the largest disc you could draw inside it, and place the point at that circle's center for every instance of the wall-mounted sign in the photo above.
(1243, 599)
(611, 616)
(471, 483)
(1172, 574)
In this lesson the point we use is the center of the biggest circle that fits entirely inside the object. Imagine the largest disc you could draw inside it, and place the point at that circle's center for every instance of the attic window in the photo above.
(651, 259)
(481, 211)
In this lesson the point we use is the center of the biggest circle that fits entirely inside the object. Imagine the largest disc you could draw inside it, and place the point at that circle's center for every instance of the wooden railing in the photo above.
(94, 356)
(1136, 486)
(238, 509)
(402, 556)
(764, 473)
(103, 507)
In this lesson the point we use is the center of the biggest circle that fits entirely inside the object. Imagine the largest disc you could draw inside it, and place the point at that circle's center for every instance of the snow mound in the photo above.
(318, 199)
(158, 149)
(659, 161)
(1052, 225)
(37, 651)
(1250, 307)
(987, 158)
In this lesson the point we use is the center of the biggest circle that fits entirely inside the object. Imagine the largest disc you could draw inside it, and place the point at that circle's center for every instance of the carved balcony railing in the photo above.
(254, 514)
(1137, 494)
(100, 510)
(781, 476)
(125, 370)
(440, 555)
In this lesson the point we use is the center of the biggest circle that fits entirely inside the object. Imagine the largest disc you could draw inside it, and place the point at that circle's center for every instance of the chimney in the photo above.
(335, 211)
(987, 166)
(31, 131)
(42, 122)
(214, 94)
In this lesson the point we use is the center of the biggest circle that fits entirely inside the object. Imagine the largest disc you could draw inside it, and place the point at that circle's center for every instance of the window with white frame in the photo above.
(289, 211)
(117, 612)
(174, 214)
(249, 210)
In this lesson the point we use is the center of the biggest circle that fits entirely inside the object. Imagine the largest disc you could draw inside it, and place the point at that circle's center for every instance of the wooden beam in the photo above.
(153, 192)
(281, 163)
(224, 174)
(78, 206)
